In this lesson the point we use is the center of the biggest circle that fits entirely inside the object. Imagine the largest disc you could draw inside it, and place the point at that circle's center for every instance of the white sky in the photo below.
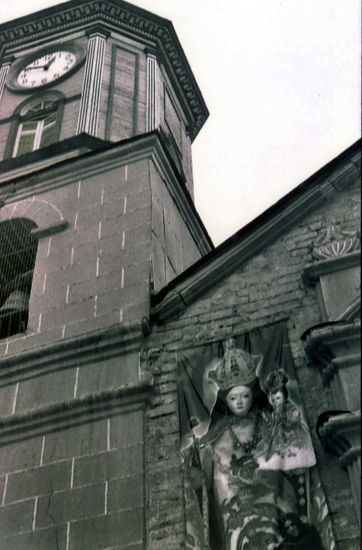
(281, 79)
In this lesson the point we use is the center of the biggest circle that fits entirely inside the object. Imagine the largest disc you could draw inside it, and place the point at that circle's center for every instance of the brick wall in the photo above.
(165, 519)
(267, 288)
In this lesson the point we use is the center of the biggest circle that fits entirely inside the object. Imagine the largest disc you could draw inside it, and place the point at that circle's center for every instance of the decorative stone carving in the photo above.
(335, 242)
(335, 348)
(335, 270)
(341, 434)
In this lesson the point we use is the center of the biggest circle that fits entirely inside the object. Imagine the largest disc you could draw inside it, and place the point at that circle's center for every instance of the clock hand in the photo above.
(33, 68)
(46, 67)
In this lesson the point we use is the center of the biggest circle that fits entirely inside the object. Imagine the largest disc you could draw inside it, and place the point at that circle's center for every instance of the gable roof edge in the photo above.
(261, 232)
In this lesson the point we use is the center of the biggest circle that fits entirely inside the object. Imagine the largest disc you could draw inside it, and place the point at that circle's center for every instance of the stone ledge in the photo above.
(149, 146)
(342, 177)
(40, 232)
(83, 348)
(47, 157)
(341, 362)
(323, 340)
(341, 436)
(76, 411)
(313, 272)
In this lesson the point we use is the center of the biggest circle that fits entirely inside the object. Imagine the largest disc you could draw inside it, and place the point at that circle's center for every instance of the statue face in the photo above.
(239, 400)
(291, 528)
(277, 399)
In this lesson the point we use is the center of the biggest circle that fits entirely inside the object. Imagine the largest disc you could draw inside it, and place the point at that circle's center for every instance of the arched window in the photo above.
(36, 124)
(17, 259)
(37, 128)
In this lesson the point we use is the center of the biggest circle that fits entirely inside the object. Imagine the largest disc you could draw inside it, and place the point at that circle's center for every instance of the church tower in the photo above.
(98, 110)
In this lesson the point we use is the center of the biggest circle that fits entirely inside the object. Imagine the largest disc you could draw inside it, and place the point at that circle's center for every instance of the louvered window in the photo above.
(17, 259)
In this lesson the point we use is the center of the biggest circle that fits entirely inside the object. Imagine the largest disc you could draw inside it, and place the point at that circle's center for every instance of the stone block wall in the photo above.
(73, 483)
(173, 247)
(266, 289)
(94, 273)
(74, 467)
(98, 270)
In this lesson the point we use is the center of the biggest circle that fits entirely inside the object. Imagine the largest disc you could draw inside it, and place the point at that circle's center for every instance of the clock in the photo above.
(45, 68)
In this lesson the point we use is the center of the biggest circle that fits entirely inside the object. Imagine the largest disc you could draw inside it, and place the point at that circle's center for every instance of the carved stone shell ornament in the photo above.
(335, 242)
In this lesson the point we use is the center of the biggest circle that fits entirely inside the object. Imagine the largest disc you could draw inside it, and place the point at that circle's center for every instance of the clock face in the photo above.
(46, 69)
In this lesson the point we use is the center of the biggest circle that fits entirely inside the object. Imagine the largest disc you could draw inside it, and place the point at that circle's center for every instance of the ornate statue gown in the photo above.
(245, 498)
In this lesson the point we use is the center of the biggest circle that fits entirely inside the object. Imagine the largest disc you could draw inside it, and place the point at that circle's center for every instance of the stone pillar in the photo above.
(5, 66)
(340, 434)
(92, 81)
(153, 114)
(335, 348)
(335, 345)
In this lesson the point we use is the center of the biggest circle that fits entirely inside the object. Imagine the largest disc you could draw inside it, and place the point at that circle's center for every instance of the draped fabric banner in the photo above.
(246, 448)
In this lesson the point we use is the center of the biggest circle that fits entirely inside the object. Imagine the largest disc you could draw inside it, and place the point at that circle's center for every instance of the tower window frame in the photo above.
(36, 124)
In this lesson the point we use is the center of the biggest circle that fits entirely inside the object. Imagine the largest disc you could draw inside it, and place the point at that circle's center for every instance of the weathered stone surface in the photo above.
(73, 504)
(46, 539)
(77, 441)
(106, 531)
(108, 465)
(38, 481)
(16, 518)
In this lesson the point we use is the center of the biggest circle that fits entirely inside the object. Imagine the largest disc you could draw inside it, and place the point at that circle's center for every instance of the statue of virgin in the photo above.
(246, 461)
(243, 499)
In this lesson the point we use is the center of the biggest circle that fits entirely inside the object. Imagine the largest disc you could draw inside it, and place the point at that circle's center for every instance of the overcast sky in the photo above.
(281, 79)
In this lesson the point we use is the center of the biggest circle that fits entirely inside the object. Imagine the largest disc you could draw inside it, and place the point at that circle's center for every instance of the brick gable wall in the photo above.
(266, 289)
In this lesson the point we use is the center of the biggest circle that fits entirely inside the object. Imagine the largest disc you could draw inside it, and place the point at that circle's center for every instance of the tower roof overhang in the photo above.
(150, 29)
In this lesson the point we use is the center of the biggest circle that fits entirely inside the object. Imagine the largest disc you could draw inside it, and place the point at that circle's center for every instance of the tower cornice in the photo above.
(97, 156)
(122, 17)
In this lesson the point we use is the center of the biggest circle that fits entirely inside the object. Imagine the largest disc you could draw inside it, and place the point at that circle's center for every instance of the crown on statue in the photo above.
(276, 380)
(237, 368)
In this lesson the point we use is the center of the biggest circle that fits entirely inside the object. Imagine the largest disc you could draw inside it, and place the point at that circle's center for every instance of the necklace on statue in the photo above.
(246, 446)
